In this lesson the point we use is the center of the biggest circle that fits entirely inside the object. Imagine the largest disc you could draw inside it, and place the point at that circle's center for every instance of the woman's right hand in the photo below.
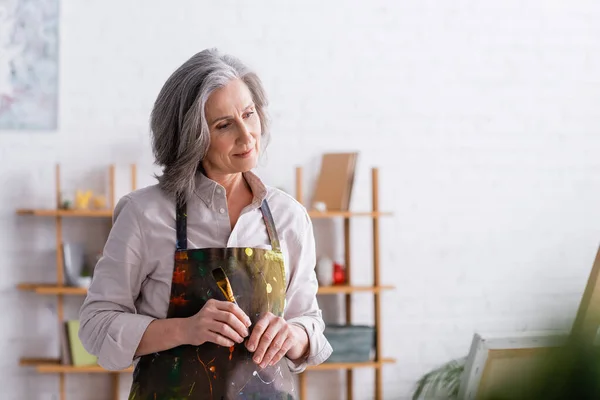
(219, 322)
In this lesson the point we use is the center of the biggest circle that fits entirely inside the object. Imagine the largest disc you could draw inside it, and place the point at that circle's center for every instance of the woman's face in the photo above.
(235, 129)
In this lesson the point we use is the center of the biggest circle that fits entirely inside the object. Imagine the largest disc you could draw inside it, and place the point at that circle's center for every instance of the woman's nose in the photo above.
(245, 136)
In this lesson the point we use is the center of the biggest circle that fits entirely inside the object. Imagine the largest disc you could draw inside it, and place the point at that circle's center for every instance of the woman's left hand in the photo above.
(272, 338)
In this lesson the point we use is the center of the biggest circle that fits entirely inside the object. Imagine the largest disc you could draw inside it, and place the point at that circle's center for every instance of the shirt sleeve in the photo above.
(302, 308)
(110, 328)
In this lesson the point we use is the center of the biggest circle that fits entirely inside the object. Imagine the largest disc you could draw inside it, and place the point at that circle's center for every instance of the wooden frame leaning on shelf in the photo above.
(59, 289)
(348, 289)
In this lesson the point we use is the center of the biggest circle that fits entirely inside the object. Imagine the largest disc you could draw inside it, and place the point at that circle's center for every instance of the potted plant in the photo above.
(442, 382)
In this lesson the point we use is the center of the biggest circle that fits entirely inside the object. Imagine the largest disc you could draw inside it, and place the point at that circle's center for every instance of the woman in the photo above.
(233, 313)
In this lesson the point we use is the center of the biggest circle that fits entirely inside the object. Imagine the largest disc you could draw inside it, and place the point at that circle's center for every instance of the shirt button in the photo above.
(219, 190)
(222, 210)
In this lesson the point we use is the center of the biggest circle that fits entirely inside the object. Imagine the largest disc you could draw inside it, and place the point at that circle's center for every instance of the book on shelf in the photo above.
(72, 350)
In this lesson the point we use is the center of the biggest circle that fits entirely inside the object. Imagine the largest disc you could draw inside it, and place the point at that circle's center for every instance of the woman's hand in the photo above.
(219, 322)
(272, 338)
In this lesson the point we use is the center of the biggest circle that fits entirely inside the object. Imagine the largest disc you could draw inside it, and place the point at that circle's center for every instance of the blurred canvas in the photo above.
(28, 64)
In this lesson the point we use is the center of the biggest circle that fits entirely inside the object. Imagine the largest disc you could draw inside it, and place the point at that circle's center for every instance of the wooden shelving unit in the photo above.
(59, 289)
(348, 289)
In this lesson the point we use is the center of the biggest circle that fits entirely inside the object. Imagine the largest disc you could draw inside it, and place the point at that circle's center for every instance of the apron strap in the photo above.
(181, 216)
(268, 217)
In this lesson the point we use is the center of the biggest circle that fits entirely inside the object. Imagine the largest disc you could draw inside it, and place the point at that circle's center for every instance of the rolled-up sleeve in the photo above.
(302, 308)
(110, 328)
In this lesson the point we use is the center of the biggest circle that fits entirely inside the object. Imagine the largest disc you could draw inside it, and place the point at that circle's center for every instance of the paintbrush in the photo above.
(223, 284)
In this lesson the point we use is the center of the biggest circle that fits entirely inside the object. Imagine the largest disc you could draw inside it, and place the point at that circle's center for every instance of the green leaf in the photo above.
(442, 382)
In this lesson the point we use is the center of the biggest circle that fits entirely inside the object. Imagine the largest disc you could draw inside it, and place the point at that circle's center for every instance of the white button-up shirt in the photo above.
(131, 283)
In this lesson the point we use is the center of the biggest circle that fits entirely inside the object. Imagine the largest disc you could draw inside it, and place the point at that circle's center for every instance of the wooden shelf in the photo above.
(49, 288)
(347, 214)
(352, 289)
(109, 213)
(54, 366)
(335, 366)
(66, 213)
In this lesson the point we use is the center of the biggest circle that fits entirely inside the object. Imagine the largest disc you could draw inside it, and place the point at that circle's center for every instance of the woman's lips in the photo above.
(245, 154)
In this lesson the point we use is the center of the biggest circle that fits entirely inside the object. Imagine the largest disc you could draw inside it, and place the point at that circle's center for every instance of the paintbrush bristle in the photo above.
(223, 284)
(219, 274)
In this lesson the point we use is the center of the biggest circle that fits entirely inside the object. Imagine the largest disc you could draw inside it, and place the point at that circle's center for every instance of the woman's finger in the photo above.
(266, 341)
(235, 310)
(231, 320)
(219, 339)
(225, 330)
(283, 351)
(274, 348)
(259, 328)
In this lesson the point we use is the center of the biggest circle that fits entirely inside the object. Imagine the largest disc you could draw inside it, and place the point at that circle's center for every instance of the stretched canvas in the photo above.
(496, 362)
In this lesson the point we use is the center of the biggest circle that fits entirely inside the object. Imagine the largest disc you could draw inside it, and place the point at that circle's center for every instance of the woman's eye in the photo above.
(248, 114)
(224, 126)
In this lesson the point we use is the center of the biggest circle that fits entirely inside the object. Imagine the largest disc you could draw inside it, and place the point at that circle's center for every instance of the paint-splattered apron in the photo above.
(210, 371)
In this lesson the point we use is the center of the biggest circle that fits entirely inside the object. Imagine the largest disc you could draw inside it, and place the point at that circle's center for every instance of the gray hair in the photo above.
(180, 134)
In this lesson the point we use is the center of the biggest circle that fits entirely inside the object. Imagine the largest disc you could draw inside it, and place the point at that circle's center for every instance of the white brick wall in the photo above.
(483, 117)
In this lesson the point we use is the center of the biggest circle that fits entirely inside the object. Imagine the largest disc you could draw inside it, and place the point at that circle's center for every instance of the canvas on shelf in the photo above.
(335, 181)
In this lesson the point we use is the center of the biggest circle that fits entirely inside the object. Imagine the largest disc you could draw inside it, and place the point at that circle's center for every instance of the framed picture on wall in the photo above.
(29, 64)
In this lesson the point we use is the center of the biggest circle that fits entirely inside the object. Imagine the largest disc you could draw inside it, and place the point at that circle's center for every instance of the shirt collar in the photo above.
(206, 188)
